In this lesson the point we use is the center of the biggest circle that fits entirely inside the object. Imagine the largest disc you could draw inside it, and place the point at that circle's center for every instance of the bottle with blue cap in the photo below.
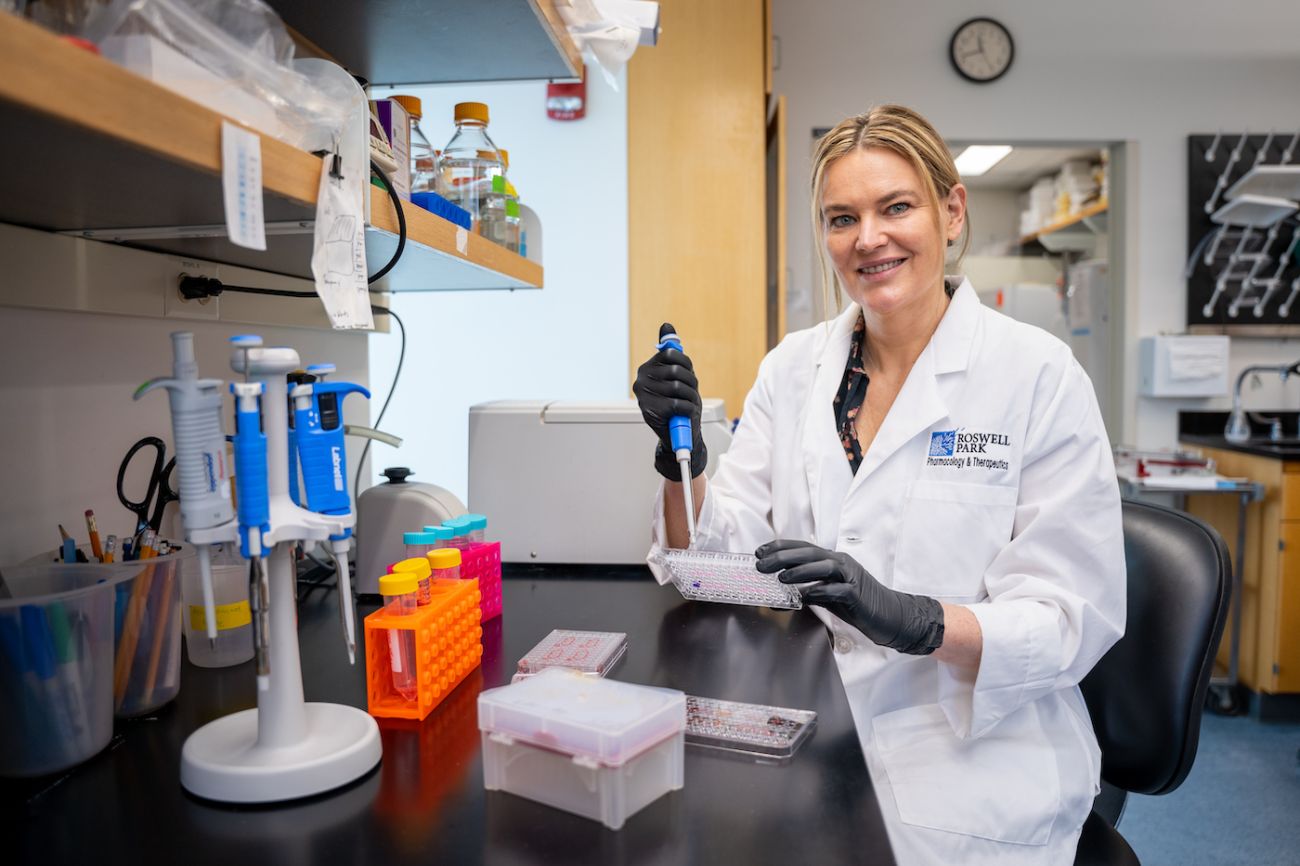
(442, 536)
(461, 528)
(418, 544)
(477, 528)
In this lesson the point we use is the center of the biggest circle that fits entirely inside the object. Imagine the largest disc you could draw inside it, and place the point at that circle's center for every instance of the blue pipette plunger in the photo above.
(681, 438)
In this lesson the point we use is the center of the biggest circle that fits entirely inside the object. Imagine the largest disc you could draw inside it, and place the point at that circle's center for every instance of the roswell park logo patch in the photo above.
(964, 448)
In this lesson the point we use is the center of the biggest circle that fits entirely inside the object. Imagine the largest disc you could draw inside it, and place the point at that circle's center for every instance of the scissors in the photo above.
(160, 490)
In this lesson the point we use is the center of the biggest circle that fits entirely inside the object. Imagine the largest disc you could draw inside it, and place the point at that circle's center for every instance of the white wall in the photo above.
(1109, 70)
(567, 341)
(994, 222)
(68, 416)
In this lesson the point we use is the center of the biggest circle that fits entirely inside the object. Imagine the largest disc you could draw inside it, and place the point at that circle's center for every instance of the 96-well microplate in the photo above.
(730, 578)
(774, 732)
(590, 652)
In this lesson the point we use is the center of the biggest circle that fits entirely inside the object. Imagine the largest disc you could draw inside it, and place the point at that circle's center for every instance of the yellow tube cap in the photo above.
(416, 566)
(446, 557)
(397, 583)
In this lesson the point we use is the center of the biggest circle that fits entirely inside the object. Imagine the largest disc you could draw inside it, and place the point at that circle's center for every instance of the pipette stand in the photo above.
(286, 748)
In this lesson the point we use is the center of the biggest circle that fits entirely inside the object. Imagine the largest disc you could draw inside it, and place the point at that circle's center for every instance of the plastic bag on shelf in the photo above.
(234, 56)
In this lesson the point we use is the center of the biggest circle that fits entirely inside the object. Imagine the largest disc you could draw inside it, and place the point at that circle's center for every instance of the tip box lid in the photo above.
(562, 710)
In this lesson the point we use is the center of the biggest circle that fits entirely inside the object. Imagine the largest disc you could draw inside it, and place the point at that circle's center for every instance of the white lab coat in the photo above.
(989, 484)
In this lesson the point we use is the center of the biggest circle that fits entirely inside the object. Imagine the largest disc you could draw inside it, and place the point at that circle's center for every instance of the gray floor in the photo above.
(1240, 804)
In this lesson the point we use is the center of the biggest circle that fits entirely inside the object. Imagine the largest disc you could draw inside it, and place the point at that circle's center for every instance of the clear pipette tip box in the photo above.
(594, 653)
(730, 578)
(752, 729)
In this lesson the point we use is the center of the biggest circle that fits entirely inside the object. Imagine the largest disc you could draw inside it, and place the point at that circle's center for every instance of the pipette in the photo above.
(318, 434)
(200, 457)
(254, 506)
(679, 433)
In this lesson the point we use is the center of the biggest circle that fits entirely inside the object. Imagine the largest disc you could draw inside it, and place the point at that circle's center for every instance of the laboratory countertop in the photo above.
(425, 803)
(1205, 429)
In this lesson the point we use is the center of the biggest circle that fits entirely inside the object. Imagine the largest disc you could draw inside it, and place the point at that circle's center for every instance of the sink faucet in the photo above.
(1238, 426)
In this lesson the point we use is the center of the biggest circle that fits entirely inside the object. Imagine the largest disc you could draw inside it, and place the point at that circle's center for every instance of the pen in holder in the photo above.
(62, 636)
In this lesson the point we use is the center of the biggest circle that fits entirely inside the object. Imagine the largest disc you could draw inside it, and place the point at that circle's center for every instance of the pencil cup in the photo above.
(147, 659)
(234, 620)
(56, 664)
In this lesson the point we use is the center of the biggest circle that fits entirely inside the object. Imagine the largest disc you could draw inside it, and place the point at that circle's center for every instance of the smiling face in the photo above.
(881, 230)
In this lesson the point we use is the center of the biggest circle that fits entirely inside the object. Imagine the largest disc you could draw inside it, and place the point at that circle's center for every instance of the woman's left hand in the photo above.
(907, 623)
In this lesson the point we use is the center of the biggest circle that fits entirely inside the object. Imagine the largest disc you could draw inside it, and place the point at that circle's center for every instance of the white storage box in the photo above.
(597, 748)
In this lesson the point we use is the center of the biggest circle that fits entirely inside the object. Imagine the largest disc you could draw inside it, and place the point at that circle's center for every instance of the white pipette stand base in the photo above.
(222, 760)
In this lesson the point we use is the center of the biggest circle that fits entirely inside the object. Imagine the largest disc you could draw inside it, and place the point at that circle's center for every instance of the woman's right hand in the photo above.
(666, 387)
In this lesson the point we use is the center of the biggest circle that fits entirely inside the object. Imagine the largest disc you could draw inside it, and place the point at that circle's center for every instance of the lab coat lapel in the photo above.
(828, 470)
(920, 403)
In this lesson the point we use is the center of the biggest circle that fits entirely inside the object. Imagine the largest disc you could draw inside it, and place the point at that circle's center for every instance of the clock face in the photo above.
(982, 50)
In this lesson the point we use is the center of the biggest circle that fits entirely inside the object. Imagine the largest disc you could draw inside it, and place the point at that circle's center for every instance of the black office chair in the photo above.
(1146, 695)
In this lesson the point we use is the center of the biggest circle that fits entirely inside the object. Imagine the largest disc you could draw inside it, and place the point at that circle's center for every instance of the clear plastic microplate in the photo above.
(774, 732)
(589, 652)
(731, 578)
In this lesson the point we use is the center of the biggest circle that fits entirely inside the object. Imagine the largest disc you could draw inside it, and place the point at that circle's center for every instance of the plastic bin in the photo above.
(58, 660)
(234, 616)
(594, 747)
(609, 794)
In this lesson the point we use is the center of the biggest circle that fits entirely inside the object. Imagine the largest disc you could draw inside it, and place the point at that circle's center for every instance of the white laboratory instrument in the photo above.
(572, 482)
(386, 511)
(1037, 304)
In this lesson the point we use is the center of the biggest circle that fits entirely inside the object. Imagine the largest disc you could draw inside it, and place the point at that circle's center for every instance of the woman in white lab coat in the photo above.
(937, 479)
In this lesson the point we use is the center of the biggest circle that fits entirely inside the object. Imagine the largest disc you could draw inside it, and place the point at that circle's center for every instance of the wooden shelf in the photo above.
(438, 41)
(93, 149)
(1083, 218)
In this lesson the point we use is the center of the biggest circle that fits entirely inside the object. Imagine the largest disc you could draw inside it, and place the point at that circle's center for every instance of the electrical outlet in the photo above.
(175, 306)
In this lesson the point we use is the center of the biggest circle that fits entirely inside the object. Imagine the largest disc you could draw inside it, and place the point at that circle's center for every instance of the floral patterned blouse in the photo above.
(853, 388)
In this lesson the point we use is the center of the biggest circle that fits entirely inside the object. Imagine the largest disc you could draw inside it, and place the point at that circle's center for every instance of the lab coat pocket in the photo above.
(1002, 786)
(949, 534)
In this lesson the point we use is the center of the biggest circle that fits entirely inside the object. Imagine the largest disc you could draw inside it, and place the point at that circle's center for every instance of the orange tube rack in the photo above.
(448, 646)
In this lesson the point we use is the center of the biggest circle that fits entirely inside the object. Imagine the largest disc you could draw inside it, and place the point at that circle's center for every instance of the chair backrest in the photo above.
(1146, 694)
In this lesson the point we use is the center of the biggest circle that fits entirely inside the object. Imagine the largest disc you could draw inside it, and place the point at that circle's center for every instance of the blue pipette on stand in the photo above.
(254, 508)
(318, 436)
(681, 437)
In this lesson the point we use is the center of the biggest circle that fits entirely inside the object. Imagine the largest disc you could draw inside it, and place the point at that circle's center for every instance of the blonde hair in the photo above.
(906, 133)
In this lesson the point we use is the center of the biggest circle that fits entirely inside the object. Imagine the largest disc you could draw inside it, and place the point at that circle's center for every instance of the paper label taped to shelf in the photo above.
(241, 186)
(338, 257)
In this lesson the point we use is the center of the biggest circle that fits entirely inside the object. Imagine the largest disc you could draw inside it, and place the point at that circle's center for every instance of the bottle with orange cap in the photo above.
(424, 165)
(470, 161)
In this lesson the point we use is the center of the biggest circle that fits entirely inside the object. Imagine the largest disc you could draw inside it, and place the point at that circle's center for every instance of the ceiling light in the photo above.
(979, 158)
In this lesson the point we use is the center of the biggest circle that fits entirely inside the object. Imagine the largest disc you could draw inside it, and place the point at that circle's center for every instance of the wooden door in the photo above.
(696, 211)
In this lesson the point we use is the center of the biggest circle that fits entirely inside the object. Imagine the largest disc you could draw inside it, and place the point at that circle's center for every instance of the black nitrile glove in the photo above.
(908, 623)
(666, 387)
